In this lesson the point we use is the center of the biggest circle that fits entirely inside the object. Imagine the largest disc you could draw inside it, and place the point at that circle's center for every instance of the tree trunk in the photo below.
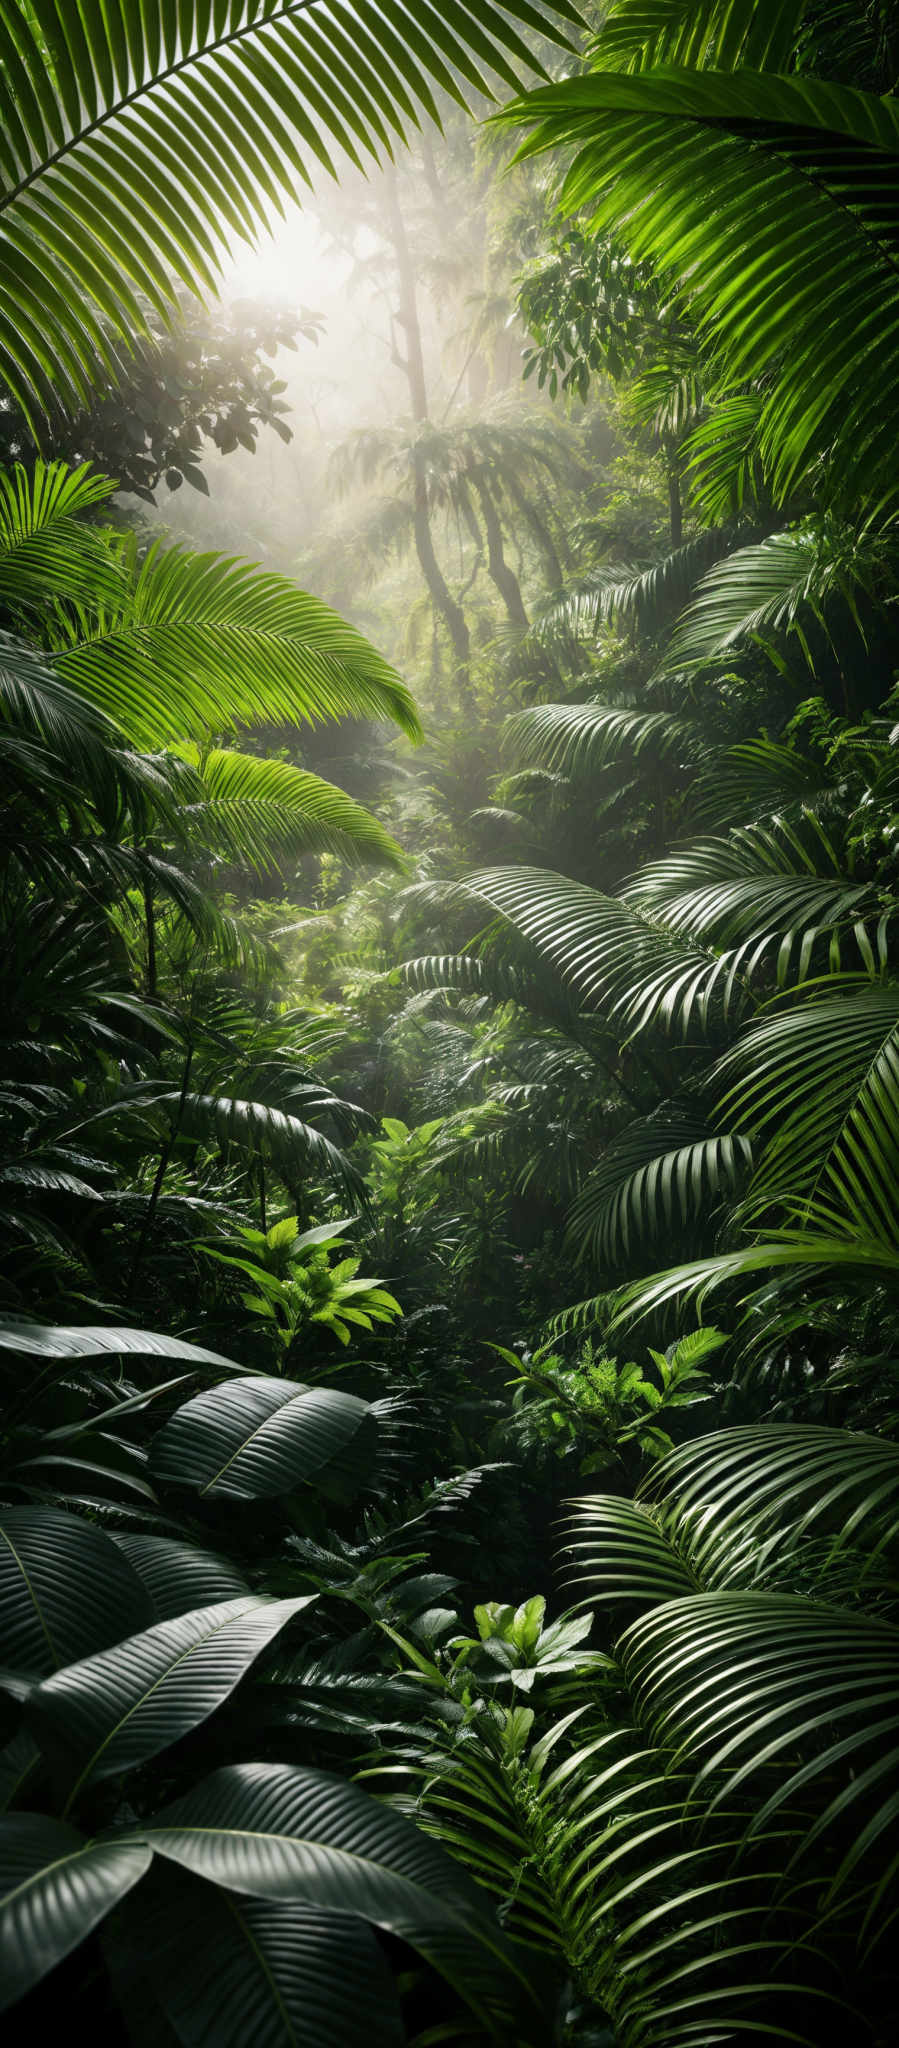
(498, 568)
(156, 1190)
(539, 527)
(675, 509)
(413, 365)
(150, 917)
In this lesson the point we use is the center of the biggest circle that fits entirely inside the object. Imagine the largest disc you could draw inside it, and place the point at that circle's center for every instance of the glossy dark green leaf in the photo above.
(102, 1716)
(54, 1889)
(179, 1576)
(231, 1970)
(277, 1831)
(253, 1439)
(66, 1589)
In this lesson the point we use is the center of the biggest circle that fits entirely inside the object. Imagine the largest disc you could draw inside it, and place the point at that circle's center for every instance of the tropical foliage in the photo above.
(449, 1106)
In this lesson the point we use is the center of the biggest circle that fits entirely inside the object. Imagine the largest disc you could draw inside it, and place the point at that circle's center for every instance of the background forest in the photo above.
(449, 1100)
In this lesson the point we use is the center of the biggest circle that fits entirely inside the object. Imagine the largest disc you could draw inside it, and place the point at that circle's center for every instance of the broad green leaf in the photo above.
(179, 1576)
(233, 1970)
(66, 1589)
(278, 1831)
(112, 1711)
(253, 1439)
(53, 1340)
(54, 1889)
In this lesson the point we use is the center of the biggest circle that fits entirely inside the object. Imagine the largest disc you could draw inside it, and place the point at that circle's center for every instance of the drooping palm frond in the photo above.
(140, 139)
(715, 33)
(260, 811)
(37, 706)
(617, 960)
(721, 458)
(775, 588)
(755, 778)
(819, 1085)
(255, 1128)
(748, 1502)
(827, 1679)
(200, 645)
(770, 203)
(742, 1509)
(766, 887)
(577, 739)
(654, 1179)
(828, 1246)
(647, 597)
(46, 551)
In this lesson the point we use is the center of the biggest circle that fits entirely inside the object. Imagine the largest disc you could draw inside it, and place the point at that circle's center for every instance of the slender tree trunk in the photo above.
(158, 1178)
(498, 568)
(413, 365)
(441, 596)
(150, 918)
(675, 508)
(541, 531)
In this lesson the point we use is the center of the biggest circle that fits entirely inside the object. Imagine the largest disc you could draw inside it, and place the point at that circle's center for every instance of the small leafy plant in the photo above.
(293, 1283)
(592, 1410)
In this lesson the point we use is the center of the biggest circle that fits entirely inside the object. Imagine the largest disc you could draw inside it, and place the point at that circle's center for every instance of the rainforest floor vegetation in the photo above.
(449, 1038)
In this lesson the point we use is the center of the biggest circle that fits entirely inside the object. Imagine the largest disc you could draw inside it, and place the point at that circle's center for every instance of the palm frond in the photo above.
(769, 202)
(258, 811)
(744, 1504)
(47, 551)
(827, 1247)
(763, 888)
(140, 141)
(819, 1086)
(578, 739)
(715, 33)
(618, 961)
(654, 1179)
(201, 645)
(294, 1147)
(743, 1509)
(755, 778)
(720, 458)
(777, 587)
(820, 1710)
(647, 597)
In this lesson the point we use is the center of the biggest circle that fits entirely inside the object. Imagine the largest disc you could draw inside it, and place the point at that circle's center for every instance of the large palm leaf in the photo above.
(622, 963)
(578, 739)
(767, 888)
(743, 1509)
(726, 34)
(259, 811)
(772, 589)
(653, 1180)
(139, 138)
(644, 598)
(198, 645)
(820, 1084)
(46, 549)
(771, 203)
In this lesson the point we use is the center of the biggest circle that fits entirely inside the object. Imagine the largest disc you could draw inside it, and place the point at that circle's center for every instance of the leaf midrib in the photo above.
(190, 1651)
(139, 92)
